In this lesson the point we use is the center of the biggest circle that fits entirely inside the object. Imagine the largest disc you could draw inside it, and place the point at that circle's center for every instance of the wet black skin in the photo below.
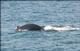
(32, 27)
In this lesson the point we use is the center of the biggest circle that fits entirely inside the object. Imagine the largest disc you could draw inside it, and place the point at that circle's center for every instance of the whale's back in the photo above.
(31, 27)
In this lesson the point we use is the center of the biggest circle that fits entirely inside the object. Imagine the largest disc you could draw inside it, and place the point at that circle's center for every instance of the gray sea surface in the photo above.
(14, 13)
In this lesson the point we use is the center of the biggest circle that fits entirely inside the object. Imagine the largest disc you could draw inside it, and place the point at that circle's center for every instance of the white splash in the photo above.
(48, 27)
(62, 28)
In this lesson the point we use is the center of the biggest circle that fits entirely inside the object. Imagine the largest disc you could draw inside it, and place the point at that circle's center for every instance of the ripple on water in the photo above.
(71, 42)
(43, 13)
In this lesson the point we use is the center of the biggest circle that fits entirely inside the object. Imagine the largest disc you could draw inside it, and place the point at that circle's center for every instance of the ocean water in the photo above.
(14, 13)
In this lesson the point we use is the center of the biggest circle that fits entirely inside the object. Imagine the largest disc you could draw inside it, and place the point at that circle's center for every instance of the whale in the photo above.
(35, 27)
(31, 27)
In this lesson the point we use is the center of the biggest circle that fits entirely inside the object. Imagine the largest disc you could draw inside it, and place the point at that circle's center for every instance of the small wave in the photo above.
(71, 42)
